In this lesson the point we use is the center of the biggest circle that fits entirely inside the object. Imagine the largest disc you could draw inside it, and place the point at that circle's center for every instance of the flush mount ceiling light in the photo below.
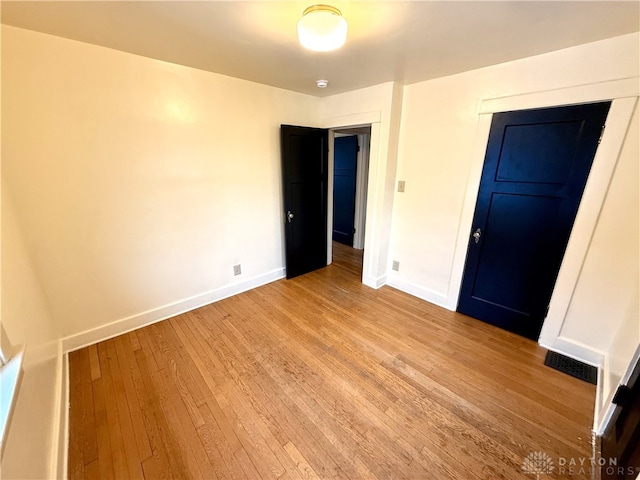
(322, 83)
(322, 28)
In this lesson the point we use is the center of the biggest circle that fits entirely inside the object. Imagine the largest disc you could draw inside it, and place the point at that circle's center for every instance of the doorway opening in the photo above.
(348, 183)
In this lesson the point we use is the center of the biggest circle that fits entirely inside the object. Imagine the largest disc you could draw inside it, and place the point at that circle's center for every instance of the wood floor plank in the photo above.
(133, 338)
(125, 406)
(255, 425)
(92, 471)
(104, 434)
(148, 350)
(177, 431)
(230, 432)
(218, 448)
(128, 372)
(183, 428)
(171, 360)
(263, 459)
(152, 469)
(94, 361)
(322, 377)
(75, 461)
(301, 463)
(168, 460)
(112, 395)
(88, 435)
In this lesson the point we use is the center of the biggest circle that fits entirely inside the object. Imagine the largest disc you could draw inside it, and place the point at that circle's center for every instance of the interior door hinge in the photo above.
(601, 134)
(546, 312)
(358, 148)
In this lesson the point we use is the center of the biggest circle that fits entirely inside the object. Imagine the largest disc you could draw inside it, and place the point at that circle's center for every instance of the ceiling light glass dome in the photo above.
(322, 28)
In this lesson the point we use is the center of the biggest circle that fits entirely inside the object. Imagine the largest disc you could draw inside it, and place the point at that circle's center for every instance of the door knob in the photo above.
(289, 216)
(476, 235)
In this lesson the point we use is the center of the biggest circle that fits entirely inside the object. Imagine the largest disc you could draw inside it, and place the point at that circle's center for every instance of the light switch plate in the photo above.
(401, 185)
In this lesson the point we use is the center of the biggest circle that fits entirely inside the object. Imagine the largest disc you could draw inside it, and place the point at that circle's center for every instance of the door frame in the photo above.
(374, 238)
(362, 182)
(623, 94)
(362, 186)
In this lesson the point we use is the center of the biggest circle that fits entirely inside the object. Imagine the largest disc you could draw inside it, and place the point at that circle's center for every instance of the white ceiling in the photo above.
(401, 41)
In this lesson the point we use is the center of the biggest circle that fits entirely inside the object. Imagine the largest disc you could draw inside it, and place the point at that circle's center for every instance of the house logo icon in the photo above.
(538, 463)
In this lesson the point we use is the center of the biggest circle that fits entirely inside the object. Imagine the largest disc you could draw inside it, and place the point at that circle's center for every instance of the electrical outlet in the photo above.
(401, 185)
(237, 270)
(395, 266)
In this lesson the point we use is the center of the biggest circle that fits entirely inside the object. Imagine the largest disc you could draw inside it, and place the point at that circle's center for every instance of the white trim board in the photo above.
(362, 179)
(124, 325)
(374, 282)
(623, 93)
(60, 441)
(599, 393)
(422, 293)
(576, 350)
(330, 178)
(593, 92)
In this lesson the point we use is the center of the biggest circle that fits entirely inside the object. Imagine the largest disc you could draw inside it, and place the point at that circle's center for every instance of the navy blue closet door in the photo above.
(344, 188)
(536, 166)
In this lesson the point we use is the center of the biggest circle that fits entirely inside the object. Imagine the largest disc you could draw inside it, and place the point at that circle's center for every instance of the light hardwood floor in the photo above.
(321, 377)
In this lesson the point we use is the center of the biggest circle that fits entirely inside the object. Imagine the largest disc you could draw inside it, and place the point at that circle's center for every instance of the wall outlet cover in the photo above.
(237, 270)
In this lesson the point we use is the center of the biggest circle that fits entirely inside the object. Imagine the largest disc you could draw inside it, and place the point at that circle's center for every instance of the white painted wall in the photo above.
(30, 449)
(25, 309)
(140, 183)
(439, 126)
(608, 282)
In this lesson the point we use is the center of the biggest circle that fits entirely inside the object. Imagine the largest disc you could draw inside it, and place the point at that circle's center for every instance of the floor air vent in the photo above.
(572, 367)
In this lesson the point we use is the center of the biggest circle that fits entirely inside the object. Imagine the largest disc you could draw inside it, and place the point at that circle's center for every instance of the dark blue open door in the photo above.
(344, 188)
(536, 166)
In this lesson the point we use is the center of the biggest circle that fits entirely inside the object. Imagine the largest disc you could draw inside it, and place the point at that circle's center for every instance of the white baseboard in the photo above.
(63, 449)
(425, 294)
(124, 325)
(60, 431)
(374, 282)
(576, 350)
